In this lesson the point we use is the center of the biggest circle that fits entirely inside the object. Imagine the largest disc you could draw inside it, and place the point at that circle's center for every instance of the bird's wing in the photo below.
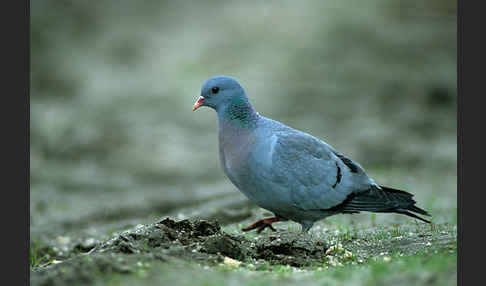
(317, 176)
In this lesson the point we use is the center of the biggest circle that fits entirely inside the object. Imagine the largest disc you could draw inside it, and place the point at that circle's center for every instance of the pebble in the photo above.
(231, 262)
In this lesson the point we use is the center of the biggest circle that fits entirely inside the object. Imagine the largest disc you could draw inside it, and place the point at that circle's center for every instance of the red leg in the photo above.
(262, 224)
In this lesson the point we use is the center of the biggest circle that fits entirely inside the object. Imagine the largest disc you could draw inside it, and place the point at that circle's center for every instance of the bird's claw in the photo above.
(260, 225)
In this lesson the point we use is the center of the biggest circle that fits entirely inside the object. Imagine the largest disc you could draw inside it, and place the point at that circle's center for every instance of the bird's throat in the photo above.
(239, 113)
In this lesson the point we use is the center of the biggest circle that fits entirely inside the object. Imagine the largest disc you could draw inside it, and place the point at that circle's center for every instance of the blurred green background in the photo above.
(114, 140)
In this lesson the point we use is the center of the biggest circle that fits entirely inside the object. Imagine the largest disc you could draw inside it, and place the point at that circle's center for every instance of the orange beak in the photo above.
(198, 103)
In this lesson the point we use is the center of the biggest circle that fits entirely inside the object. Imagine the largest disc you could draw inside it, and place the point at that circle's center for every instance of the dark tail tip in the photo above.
(407, 210)
(412, 215)
(416, 209)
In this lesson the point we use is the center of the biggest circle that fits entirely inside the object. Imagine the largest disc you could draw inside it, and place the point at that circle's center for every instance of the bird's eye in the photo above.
(215, 89)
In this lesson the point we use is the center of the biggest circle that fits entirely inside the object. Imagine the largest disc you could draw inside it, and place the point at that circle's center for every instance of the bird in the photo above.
(290, 173)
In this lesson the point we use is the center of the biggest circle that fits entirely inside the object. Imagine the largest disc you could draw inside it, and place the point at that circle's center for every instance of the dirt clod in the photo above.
(202, 238)
(190, 239)
(224, 244)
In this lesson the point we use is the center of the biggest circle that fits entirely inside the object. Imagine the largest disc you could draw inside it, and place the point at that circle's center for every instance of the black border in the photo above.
(470, 120)
(460, 276)
(15, 122)
(27, 107)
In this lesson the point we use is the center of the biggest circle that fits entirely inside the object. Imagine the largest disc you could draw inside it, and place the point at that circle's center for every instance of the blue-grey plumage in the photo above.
(293, 174)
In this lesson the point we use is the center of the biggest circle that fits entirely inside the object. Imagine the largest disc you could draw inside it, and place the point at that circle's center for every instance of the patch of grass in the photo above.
(38, 254)
(410, 270)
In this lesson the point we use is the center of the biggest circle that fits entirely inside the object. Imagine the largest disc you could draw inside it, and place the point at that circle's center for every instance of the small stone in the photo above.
(330, 250)
(348, 254)
(231, 262)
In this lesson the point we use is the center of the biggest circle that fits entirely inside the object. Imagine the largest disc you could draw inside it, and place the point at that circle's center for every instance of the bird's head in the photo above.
(219, 92)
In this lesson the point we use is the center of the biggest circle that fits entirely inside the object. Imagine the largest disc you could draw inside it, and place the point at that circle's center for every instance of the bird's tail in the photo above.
(386, 200)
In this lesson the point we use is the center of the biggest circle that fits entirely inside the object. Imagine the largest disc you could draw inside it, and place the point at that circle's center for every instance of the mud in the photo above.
(205, 238)
(196, 240)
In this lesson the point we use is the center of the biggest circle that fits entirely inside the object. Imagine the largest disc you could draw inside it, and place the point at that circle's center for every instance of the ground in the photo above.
(364, 249)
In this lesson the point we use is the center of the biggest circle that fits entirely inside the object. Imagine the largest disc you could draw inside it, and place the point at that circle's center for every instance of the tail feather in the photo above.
(419, 210)
(386, 200)
(412, 215)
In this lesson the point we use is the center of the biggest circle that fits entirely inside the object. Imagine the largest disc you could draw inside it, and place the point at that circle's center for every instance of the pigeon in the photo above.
(290, 173)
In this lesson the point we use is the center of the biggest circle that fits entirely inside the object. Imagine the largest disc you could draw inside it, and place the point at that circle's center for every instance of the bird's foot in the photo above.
(262, 224)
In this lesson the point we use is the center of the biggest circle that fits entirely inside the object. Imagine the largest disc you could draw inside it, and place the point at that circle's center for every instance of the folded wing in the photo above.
(319, 176)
